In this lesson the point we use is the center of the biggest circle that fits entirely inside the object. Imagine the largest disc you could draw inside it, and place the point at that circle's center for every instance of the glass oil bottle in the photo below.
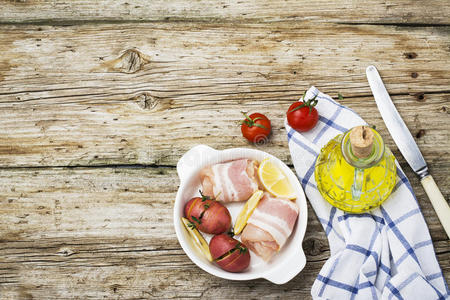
(355, 171)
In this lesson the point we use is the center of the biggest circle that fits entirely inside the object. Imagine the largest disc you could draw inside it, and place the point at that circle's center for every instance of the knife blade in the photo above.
(394, 123)
(407, 146)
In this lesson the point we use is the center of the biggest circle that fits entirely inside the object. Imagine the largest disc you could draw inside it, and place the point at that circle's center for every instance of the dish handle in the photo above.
(190, 161)
(287, 269)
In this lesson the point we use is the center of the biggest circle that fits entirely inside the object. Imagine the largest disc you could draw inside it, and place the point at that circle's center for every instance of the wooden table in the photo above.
(99, 99)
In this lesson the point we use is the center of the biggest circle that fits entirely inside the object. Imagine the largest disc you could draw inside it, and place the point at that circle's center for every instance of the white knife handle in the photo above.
(440, 205)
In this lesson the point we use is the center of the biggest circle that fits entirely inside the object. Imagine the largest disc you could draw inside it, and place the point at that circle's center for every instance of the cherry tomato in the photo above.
(302, 115)
(256, 127)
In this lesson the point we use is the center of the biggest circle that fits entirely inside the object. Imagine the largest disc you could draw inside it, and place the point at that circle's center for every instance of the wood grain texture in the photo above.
(125, 94)
(99, 99)
(78, 11)
(85, 233)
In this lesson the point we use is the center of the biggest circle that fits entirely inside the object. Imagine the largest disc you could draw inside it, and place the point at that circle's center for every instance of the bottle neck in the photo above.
(367, 162)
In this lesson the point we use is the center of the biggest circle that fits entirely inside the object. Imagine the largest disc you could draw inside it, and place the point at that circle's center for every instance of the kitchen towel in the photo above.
(384, 254)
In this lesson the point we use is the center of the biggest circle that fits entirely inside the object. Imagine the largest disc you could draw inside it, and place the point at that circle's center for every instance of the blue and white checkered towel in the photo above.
(384, 254)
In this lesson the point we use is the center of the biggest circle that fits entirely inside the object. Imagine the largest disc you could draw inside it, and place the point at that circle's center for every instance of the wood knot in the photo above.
(420, 134)
(419, 96)
(131, 61)
(115, 287)
(414, 75)
(410, 55)
(314, 246)
(146, 101)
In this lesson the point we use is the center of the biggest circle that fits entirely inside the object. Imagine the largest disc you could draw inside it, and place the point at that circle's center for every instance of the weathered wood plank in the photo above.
(404, 11)
(72, 96)
(87, 233)
(111, 93)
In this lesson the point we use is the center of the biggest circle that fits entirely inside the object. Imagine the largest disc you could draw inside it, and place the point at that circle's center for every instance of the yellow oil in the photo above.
(335, 177)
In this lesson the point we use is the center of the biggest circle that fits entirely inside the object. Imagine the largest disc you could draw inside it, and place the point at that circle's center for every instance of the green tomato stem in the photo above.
(308, 103)
(251, 122)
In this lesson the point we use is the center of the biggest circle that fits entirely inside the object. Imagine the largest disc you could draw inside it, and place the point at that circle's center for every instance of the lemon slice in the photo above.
(247, 211)
(197, 239)
(274, 180)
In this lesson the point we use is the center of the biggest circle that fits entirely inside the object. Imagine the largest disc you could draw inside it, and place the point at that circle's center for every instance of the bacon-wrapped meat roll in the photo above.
(231, 181)
(270, 225)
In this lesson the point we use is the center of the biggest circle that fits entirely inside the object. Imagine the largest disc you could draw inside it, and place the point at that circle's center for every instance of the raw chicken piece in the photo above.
(270, 225)
(231, 181)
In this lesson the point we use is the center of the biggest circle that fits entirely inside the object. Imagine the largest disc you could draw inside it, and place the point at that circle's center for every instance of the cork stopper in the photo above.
(361, 139)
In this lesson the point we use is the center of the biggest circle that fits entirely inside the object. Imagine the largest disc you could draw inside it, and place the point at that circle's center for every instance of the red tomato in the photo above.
(302, 115)
(256, 127)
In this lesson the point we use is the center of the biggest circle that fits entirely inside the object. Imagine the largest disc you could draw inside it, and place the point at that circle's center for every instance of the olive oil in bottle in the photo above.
(355, 171)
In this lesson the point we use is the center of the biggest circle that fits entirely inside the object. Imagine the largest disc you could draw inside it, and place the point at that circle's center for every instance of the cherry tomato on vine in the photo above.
(256, 127)
(302, 115)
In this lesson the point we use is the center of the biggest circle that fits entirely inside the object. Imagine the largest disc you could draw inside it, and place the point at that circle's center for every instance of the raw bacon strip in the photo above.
(270, 225)
(259, 241)
(230, 181)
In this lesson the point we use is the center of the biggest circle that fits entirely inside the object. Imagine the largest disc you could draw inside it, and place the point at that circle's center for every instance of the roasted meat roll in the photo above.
(270, 225)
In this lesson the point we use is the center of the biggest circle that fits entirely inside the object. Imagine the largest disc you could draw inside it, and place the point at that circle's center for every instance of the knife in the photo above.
(407, 146)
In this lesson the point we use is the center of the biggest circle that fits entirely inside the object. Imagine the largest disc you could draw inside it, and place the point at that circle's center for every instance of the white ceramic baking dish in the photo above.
(286, 264)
